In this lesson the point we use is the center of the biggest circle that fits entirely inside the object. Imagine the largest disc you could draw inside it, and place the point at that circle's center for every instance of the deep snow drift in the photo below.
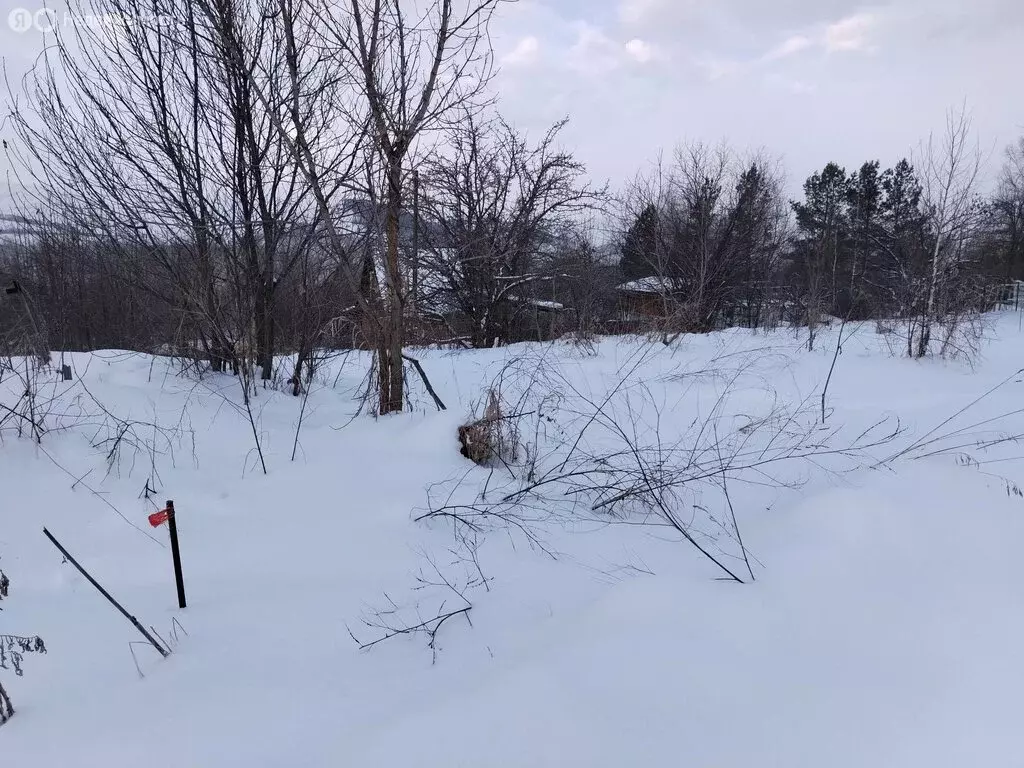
(883, 629)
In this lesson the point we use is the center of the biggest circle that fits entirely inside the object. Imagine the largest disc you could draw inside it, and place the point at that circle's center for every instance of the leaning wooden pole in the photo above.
(163, 652)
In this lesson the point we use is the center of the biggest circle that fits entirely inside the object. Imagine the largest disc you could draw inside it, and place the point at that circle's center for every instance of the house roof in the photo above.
(554, 306)
(653, 284)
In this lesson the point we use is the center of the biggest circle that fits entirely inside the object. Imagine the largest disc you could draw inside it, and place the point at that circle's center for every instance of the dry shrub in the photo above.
(493, 436)
(885, 326)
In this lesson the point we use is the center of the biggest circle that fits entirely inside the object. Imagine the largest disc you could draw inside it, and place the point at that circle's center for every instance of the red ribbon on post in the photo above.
(166, 515)
(172, 525)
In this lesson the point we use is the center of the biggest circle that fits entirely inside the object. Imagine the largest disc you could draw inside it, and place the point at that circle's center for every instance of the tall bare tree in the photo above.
(949, 168)
(417, 67)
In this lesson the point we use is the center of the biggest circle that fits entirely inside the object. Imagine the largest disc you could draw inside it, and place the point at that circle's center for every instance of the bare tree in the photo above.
(587, 280)
(949, 166)
(493, 210)
(416, 69)
(24, 359)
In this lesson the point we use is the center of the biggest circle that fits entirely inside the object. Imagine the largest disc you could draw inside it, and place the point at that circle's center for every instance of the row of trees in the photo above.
(714, 238)
(903, 242)
(234, 181)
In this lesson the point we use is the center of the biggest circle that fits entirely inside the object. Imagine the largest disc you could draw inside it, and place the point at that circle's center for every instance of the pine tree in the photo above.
(640, 247)
(1008, 216)
(752, 222)
(864, 204)
(823, 246)
(902, 258)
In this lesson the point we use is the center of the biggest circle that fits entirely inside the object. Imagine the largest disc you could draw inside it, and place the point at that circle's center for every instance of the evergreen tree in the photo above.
(902, 256)
(1007, 219)
(864, 205)
(640, 247)
(755, 239)
(823, 225)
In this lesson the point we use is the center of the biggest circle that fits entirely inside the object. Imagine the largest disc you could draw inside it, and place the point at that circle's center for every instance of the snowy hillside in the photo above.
(882, 625)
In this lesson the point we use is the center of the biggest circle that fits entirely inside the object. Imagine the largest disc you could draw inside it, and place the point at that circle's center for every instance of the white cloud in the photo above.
(593, 52)
(850, 34)
(526, 52)
(789, 47)
(641, 51)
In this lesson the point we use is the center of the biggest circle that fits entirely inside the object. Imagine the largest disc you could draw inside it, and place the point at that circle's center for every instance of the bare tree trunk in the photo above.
(412, 73)
(264, 328)
(391, 370)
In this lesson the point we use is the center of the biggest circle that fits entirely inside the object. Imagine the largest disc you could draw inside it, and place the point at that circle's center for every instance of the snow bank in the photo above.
(883, 629)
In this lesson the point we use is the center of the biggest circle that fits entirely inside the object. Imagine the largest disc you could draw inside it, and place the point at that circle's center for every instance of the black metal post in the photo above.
(106, 594)
(179, 581)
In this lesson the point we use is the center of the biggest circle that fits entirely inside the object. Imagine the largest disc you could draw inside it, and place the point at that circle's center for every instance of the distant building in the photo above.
(645, 298)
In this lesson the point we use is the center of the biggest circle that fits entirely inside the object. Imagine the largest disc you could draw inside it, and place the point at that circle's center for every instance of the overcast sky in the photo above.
(808, 80)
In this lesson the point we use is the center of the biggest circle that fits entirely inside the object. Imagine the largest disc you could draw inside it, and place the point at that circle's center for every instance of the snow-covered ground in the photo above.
(884, 627)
